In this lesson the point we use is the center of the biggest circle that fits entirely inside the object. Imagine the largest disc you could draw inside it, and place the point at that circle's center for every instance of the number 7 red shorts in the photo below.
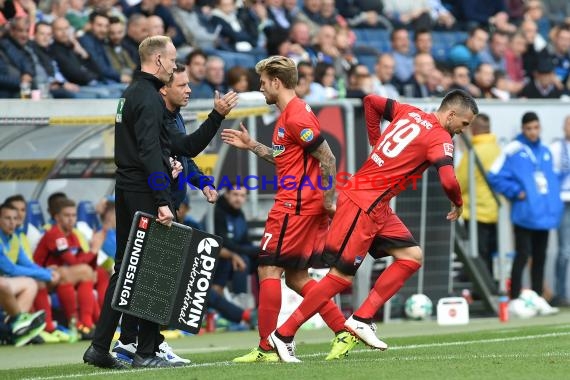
(291, 241)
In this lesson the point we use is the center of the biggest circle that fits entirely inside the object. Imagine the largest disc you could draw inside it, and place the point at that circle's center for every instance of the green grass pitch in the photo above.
(537, 348)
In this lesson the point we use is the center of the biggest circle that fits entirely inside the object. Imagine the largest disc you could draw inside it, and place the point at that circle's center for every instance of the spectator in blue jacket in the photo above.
(524, 174)
(94, 42)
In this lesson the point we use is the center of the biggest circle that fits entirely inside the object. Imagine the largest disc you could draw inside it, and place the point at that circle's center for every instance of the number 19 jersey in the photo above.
(412, 142)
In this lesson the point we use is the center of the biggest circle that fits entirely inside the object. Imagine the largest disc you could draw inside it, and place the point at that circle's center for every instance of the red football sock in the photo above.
(86, 300)
(101, 286)
(269, 307)
(66, 295)
(42, 303)
(313, 301)
(388, 284)
(330, 312)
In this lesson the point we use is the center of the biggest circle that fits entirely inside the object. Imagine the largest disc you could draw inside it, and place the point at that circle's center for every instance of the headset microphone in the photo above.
(160, 63)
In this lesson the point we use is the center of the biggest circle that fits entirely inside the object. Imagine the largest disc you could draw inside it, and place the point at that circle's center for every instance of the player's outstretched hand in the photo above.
(455, 213)
(240, 139)
(165, 216)
(224, 104)
(210, 194)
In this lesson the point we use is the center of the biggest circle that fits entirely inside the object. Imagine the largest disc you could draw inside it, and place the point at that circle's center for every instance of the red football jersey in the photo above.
(296, 134)
(56, 248)
(412, 142)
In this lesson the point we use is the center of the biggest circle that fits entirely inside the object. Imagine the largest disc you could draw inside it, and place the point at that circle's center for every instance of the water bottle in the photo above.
(25, 90)
(503, 308)
(210, 321)
(341, 88)
(73, 333)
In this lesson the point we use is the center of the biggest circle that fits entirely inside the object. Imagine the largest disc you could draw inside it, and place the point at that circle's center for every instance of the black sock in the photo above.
(363, 320)
(286, 339)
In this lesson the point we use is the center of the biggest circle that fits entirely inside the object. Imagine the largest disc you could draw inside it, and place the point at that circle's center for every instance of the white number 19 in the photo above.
(394, 142)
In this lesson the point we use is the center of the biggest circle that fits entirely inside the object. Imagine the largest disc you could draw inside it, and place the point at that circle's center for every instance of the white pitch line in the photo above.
(408, 347)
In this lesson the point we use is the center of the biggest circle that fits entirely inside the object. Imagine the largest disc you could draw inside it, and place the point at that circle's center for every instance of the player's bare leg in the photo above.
(25, 290)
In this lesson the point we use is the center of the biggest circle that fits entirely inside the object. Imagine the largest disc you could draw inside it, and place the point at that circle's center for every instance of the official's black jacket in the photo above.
(141, 139)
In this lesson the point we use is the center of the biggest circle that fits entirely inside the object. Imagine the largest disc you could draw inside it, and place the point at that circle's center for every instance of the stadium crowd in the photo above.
(493, 49)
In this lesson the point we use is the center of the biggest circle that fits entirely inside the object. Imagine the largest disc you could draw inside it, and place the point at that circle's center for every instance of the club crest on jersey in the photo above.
(61, 244)
(278, 149)
(448, 149)
(307, 135)
(280, 133)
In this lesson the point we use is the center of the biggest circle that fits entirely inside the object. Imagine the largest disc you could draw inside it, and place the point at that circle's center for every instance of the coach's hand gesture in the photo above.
(224, 104)
(210, 193)
(240, 139)
(165, 216)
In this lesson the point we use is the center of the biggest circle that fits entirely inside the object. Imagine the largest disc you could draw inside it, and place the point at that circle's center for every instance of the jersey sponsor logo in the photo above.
(278, 149)
(61, 244)
(418, 119)
(307, 135)
(377, 159)
(119, 114)
(448, 149)
(280, 133)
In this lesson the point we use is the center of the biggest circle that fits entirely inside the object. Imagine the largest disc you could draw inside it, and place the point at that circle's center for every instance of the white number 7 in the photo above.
(267, 236)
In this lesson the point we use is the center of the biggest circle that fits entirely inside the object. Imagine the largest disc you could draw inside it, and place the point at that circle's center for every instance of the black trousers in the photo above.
(126, 204)
(487, 242)
(529, 243)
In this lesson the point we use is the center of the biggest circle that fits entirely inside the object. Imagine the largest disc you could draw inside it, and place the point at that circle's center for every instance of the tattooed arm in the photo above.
(327, 162)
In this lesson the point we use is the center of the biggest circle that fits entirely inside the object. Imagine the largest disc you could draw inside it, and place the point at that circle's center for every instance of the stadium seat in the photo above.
(232, 59)
(368, 60)
(443, 42)
(376, 38)
(34, 215)
(86, 216)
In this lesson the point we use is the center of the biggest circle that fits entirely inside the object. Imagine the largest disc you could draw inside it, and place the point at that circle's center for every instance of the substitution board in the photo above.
(166, 273)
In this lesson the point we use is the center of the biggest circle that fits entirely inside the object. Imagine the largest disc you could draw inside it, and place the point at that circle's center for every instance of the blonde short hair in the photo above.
(152, 45)
(279, 67)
